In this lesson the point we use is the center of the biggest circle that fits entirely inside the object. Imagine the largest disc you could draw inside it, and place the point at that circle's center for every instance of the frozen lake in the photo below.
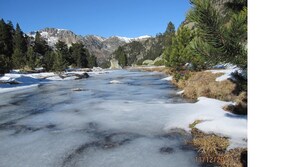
(119, 119)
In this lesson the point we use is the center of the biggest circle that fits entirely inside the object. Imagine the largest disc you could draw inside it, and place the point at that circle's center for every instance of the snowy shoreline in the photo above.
(15, 81)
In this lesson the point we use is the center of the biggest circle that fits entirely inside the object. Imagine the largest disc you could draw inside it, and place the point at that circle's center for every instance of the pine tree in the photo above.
(63, 49)
(6, 46)
(92, 61)
(5, 39)
(19, 41)
(220, 38)
(59, 62)
(79, 55)
(20, 48)
(32, 58)
(40, 45)
(168, 37)
(49, 59)
(121, 56)
(179, 53)
(170, 30)
(18, 58)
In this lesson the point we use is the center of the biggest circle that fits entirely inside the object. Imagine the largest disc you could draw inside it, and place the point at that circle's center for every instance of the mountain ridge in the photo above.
(101, 47)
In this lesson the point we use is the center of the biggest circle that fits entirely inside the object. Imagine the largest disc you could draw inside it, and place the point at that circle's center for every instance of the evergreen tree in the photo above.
(40, 45)
(6, 46)
(32, 58)
(49, 59)
(79, 55)
(92, 61)
(179, 53)
(220, 38)
(168, 36)
(121, 56)
(170, 30)
(18, 58)
(19, 41)
(63, 49)
(59, 62)
(5, 64)
(20, 48)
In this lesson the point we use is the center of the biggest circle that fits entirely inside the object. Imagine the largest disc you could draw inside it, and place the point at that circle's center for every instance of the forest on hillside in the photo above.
(19, 51)
(214, 32)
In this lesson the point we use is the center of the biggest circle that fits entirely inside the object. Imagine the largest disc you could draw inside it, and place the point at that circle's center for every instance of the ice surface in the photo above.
(106, 124)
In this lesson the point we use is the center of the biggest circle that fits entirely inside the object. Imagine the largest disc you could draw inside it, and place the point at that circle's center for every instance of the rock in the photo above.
(9, 82)
(81, 76)
(85, 75)
(148, 62)
(114, 64)
(166, 150)
(78, 89)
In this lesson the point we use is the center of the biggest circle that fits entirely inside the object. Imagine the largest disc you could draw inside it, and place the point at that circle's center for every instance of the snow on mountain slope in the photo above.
(99, 46)
(128, 40)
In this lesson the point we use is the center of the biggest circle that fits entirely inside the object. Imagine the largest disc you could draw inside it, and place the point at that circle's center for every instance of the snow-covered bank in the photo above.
(214, 120)
(227, 70)
(14, 81)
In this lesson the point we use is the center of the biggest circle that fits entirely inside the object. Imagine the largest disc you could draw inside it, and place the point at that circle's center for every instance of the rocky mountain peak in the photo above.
(99, 46)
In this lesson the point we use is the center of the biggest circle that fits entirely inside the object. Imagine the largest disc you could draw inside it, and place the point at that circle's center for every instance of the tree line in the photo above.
(19, 51)
(213, 32)
(136, 52)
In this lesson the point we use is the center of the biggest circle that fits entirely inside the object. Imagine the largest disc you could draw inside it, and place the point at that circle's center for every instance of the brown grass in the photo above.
(210, 145)
(192, 125)
(212, 150)
(153, 69)
(241, 105)
(205, 84)
(233, 158)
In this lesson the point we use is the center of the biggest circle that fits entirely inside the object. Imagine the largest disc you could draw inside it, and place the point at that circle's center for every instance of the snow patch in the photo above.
(168, 78)
(227, 72)
(214, 120)
(115, 82)
(180, 92)
(128, 40)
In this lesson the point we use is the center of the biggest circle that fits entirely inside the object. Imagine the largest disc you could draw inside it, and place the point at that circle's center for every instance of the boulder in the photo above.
(148, 62)
(81, 76)
(114, 64)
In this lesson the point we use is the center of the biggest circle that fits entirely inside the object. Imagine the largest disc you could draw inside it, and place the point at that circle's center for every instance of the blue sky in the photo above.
(130, 18)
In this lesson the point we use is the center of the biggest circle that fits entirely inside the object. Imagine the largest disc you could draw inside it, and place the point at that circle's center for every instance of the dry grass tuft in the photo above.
(240, 107)
(210, 145)
(212, 150)
(236, 158)
(205, 84)
(192, 125)
(153, 69)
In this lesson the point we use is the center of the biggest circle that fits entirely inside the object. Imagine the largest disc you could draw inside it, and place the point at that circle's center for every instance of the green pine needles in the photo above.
(220, 38)
(218, 35)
